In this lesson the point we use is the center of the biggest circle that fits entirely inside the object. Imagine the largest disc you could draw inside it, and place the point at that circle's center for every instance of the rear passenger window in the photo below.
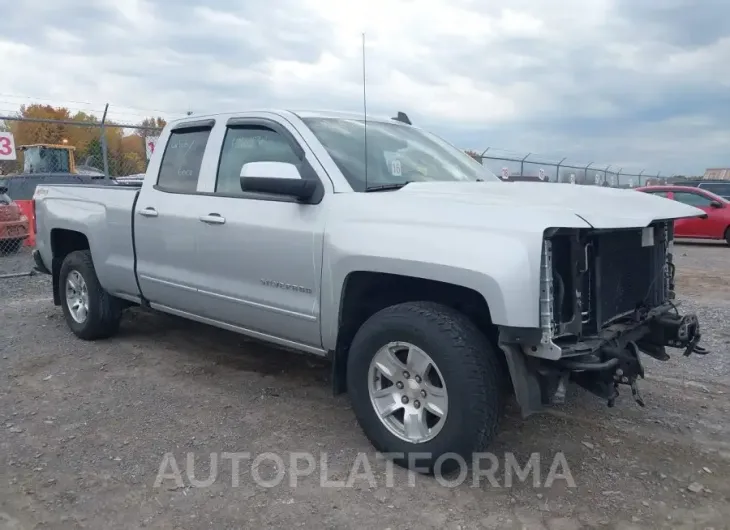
(693, 199)
(249, 144)
(181, 161)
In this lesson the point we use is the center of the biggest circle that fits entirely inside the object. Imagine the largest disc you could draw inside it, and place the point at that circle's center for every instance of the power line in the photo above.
(64, 101)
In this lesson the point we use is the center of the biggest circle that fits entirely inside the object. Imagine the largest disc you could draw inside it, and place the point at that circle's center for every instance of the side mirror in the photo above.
(716, 204)
(276, 178)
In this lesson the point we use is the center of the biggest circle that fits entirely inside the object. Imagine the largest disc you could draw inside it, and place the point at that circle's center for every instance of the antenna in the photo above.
(365, 110)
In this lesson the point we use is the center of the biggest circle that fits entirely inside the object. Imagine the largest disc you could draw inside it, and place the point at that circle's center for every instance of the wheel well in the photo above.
(366, 293)
(63, 242)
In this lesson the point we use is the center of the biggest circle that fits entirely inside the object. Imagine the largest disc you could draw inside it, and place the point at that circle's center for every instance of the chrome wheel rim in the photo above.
(77, 297)
(408, 392)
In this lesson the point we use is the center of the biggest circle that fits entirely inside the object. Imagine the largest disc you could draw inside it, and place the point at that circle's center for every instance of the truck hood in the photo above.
(598, 206)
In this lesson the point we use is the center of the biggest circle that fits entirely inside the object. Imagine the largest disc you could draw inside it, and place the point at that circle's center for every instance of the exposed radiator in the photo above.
(624, 275)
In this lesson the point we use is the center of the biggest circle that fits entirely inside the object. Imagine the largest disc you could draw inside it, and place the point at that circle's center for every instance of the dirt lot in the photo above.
(84, 428)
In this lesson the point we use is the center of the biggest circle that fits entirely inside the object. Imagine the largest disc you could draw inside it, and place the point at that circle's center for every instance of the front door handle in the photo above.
(148, 212)
(213, 219)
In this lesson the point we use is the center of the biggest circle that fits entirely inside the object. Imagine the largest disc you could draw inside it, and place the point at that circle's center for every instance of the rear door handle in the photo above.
(213, 219)
(148, 212)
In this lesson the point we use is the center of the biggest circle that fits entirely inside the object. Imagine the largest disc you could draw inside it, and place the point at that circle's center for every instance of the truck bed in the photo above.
(104, 214)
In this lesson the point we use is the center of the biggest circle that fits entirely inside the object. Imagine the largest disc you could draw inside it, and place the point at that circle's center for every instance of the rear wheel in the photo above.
(10, 246)
(426, 386)
(90, 311)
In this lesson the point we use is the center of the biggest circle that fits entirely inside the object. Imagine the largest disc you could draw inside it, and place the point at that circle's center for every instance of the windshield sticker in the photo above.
(395, 168)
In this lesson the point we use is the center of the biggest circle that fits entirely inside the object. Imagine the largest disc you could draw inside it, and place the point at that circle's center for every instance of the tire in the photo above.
(10, 246)
(104, 311)
(727, 235)
(468, 365)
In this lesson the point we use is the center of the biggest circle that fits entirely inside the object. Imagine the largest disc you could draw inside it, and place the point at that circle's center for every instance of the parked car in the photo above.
(433, 289)
(718, 187)
(14, 226)
(714, 225)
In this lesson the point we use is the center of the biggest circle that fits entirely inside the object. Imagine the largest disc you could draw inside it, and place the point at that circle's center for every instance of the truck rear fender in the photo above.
(78, 217)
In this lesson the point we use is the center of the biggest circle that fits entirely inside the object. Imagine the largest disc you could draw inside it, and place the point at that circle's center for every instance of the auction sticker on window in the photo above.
(395, 168)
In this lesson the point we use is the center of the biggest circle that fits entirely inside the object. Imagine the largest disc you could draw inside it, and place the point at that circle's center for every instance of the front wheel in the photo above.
(727, 235)
(90, 311)
(426, 386)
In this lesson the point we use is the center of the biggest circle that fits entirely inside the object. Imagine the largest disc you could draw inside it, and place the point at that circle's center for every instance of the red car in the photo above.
(14, 226)
(716, 225)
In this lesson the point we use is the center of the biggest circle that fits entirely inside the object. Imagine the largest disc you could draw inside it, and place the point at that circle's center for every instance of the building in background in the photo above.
(717, 173)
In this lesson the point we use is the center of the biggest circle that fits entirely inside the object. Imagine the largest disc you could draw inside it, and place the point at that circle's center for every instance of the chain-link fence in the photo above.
(89, 150)
(37, 151)
(75, 147)
(511, 167)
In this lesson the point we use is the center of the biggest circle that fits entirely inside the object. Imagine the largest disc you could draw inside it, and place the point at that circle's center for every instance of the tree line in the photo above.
(125, 147)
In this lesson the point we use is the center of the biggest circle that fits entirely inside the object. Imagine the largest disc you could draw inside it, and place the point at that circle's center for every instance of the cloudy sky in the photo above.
(633, 83)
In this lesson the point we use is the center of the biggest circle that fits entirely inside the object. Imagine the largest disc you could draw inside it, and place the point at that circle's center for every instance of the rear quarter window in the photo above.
(180, 167)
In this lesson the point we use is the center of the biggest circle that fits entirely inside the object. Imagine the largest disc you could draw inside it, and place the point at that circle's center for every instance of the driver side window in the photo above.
(693, 199)
(244, 144)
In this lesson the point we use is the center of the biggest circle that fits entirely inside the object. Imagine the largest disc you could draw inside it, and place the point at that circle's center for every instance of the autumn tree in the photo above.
(151, 123)
(126, 152)
(476, 156)
(132, 153)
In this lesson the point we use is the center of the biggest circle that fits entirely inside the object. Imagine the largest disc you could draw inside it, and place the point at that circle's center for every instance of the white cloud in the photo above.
(606, 79)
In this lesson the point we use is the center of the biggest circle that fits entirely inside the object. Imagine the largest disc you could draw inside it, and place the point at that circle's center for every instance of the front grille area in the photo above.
(623, 275)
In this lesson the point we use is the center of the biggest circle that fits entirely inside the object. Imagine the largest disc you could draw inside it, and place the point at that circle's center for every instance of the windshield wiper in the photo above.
(386, 187)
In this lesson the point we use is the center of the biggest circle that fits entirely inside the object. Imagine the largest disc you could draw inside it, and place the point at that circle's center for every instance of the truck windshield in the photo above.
(396, 153)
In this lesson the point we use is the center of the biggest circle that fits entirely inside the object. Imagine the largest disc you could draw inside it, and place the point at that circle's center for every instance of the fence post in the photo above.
(522, 165)
(618, 178)
(557, 169)
(585, 173)
(104, 151)
(605, 174)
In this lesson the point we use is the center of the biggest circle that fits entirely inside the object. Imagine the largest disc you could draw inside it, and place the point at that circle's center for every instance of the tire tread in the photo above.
(103, 322)
(485, 380)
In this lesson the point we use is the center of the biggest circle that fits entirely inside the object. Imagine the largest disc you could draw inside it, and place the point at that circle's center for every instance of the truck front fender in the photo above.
(503, 267)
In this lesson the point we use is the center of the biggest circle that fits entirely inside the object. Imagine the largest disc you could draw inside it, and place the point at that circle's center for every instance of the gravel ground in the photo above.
(84, 428)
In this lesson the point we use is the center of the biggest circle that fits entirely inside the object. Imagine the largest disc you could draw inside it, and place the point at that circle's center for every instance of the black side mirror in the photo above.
(716, 204)
(302, 189)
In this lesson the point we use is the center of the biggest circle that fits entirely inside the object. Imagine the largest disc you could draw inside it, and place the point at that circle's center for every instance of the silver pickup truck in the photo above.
(435, 288)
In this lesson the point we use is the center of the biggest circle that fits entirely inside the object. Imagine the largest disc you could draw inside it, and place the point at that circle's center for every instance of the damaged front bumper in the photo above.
(600, 363)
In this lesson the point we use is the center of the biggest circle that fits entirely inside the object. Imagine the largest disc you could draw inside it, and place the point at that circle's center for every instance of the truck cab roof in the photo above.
(301, 113)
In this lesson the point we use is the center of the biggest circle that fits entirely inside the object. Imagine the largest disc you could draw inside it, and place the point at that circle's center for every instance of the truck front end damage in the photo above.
(605, 297)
